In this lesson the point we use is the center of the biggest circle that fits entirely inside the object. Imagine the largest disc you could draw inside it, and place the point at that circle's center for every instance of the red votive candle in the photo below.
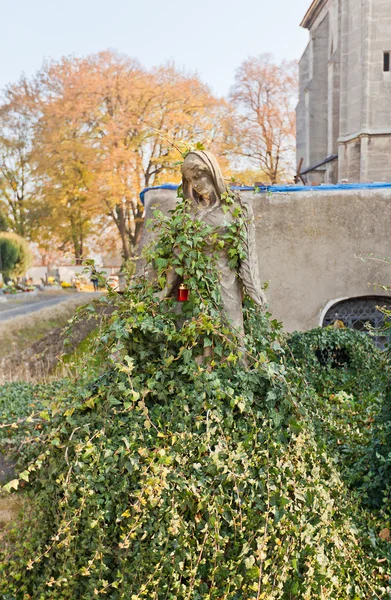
(183, 293)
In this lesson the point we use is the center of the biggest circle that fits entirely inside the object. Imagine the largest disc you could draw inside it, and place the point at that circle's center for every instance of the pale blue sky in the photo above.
(211, 37)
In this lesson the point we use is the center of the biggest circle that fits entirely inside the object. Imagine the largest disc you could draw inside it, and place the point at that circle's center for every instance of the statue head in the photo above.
(202, 180)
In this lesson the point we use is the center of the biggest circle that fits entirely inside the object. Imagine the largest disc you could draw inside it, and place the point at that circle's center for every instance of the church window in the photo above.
(361, 314)
(386, 62)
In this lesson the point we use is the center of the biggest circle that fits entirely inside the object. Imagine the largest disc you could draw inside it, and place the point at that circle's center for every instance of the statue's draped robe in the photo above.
(233, 284)
(230, 285)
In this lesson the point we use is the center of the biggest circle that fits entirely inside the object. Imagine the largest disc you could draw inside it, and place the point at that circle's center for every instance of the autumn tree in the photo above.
(263, 130)
(140, 118)
(61, 163)
(17, 183)
(61, 157)
(37, 198)
(117, 90)
(106, 128)
(99, 130)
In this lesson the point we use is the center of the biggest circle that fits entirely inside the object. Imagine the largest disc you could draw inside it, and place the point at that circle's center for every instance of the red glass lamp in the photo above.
(183, 293)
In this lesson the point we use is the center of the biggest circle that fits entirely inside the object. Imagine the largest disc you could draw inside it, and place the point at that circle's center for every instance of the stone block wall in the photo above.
(379, 82)
(357, 101)
(352, 66)
(302, 141)
(312, 109)
(379, 157)
(318, 90)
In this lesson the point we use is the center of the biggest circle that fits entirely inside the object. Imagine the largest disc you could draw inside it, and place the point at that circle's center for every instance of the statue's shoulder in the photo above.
(246, 207)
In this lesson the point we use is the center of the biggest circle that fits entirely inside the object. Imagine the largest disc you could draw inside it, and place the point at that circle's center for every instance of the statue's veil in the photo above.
(212, 167)
(248, 268)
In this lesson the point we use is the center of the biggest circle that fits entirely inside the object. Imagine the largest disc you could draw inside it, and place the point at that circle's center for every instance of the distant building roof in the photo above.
(312, 13)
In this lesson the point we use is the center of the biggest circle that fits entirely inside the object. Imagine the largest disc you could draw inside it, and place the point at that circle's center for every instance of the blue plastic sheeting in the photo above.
(166, 186)
(287, 188)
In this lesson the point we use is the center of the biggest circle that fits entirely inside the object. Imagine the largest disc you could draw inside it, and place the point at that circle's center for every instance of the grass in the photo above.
(70, 363)
(19, 333)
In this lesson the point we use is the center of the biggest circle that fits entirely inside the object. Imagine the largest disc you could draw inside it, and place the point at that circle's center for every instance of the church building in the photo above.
(344, 109)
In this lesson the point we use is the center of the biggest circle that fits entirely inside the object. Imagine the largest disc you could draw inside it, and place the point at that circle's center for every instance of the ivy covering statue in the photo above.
(229, 236)
(153, 475)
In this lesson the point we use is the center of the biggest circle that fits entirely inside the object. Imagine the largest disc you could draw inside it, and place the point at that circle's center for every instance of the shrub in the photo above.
(18, 256)
(350, 410)
(375, 463)
(9, 254)
(338, 360)
(18, 401)
(3, 222)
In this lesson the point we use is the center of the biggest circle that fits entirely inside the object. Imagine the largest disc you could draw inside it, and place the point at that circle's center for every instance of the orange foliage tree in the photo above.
(103, 130)
(17, 184)
(263, 129)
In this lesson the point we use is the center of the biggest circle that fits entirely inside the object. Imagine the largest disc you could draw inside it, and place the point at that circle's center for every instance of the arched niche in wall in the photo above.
(360, 314)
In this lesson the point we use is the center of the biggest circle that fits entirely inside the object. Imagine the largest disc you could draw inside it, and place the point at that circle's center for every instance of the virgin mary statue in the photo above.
(203, 185)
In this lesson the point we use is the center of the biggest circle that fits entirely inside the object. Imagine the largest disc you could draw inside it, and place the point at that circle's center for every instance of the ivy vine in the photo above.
(155, 475)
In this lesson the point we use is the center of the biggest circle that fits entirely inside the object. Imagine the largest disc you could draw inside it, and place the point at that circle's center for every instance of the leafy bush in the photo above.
(164, 475)
(18, 257)
(9, 254)
(20, 406)
(376, 462)
(18, 399)
(351, 410)
(338, 360)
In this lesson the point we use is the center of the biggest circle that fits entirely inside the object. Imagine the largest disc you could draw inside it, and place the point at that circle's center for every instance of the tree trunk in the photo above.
(77, 240)
(120, 221)
(138, 227)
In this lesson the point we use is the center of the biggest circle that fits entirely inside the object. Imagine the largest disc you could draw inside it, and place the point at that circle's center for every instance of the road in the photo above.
(16, 308)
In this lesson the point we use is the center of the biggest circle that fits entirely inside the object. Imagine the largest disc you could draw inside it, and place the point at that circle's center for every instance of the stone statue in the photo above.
(203, 185)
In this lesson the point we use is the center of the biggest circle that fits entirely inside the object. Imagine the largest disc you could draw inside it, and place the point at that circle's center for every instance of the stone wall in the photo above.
(356, 103)
(352, 66)
(312, 110)
(309, 247)
(302, 143)
(318, 90)
(379, 156)
(379, 82)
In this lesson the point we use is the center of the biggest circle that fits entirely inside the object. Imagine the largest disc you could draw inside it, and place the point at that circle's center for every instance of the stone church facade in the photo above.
(344, 109)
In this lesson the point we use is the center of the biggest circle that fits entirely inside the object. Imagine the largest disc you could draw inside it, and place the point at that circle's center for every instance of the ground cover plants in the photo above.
(351, 378)
(159, 474)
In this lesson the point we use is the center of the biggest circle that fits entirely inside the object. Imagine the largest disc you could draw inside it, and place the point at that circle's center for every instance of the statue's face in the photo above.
(197, 175)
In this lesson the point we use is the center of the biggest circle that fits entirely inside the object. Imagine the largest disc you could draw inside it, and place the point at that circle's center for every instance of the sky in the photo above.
(210, 37)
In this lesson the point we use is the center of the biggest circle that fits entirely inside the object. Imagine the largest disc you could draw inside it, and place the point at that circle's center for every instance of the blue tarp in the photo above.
(287, 188)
